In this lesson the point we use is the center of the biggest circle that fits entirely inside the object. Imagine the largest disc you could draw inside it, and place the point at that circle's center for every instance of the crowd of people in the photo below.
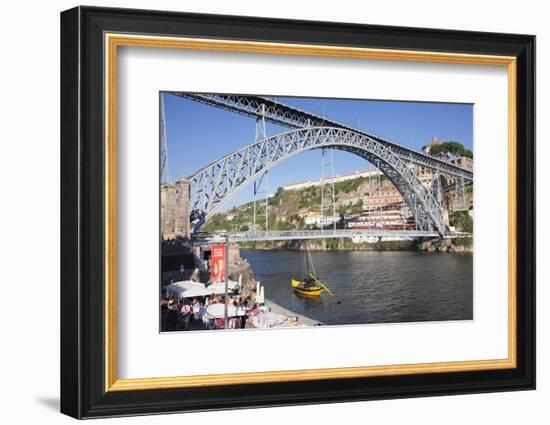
(191, 313)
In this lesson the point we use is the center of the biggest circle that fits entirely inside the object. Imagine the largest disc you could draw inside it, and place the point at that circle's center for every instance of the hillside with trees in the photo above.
(451, 147)
(287, 208)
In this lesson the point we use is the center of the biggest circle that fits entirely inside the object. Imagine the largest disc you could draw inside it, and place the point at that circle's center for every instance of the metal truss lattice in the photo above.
(289, 116)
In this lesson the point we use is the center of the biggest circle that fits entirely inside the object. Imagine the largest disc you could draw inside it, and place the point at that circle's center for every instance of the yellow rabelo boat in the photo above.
(309, 285)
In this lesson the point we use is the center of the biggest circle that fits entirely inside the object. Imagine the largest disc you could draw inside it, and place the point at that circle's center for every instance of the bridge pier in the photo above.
(174, 210)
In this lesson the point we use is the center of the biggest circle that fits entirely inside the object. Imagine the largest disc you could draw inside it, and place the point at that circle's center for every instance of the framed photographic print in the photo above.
(261, 212)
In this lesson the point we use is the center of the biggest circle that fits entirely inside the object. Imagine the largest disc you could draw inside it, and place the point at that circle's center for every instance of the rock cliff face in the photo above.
(240, 267)
(459, 245)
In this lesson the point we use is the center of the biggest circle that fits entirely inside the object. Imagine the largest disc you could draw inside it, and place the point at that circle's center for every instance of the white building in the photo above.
(390, 216)
(317, 220)
(372, 172)
(427, 148)
(378, 220)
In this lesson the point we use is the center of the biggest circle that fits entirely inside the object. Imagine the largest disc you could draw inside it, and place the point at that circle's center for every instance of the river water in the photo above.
(373, 286)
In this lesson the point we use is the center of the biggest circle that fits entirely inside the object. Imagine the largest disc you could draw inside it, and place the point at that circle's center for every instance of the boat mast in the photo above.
(312, 265)
(307, 260)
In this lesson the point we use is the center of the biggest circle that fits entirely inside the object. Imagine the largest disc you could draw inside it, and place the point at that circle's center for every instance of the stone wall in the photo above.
(174, 210)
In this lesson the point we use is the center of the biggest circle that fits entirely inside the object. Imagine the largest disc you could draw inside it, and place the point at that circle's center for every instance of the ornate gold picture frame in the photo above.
(91, 40)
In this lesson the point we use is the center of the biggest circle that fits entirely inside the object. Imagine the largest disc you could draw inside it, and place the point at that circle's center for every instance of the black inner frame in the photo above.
(82, 212)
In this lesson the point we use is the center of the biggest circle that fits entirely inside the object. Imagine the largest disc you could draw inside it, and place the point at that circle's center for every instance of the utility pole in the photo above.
(226, 276)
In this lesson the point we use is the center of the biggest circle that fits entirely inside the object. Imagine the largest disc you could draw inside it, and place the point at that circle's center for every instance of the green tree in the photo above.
(462, 221)
(357, 208)
(454, 148)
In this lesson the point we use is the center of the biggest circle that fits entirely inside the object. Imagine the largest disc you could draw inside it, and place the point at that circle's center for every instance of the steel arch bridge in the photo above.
(212, 185)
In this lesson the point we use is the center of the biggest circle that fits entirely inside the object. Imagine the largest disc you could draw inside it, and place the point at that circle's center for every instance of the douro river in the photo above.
(373, 287)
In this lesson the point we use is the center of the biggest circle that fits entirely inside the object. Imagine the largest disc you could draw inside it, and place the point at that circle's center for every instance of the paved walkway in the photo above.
(302, 320)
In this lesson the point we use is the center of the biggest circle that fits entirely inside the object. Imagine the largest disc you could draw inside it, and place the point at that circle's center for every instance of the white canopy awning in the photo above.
(218, 310)
(189, 288)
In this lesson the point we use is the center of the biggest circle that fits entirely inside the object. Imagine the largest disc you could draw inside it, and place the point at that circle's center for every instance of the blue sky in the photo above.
(198, 134)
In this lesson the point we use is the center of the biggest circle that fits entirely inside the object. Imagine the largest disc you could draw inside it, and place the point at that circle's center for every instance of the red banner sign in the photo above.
(217, 269)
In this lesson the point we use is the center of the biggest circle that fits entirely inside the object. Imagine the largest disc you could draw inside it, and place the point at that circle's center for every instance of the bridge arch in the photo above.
(212, 185)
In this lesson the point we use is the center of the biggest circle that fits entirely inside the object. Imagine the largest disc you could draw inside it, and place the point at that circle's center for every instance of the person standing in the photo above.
(186, 314)
(172, 316)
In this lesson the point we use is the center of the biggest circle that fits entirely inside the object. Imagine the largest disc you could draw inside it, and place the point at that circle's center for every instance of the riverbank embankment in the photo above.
(301, 320)
(448, 245)
(460, 245)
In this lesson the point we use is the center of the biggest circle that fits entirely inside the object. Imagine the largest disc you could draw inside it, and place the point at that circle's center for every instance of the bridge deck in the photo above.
(282, 235)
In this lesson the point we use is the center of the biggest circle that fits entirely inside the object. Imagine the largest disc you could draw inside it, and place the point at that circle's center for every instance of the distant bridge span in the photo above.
(286, 235)
(218, 181)
(289, 116)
